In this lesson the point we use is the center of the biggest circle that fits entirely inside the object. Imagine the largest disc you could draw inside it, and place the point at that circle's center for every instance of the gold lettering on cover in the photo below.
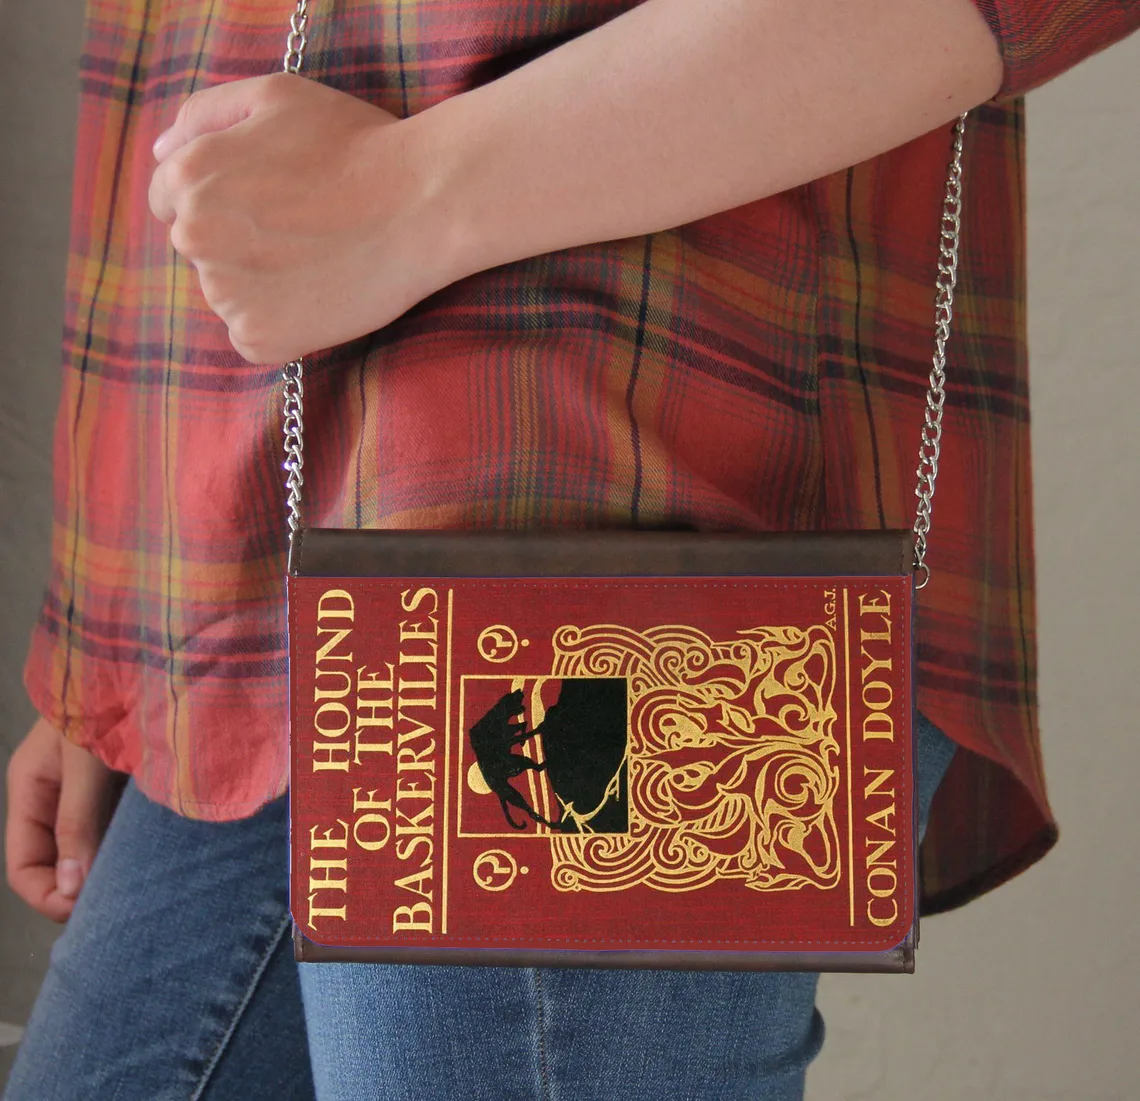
(376, 816)
(418, 883)
(416, 787)
(323, 876)
(391, 713)
(326, 605)
(880, 840)
(331, 754)
(850, 769)
(427, 658)
(406, 846)
(328, 841)
(418, 823)
(321, 720)
(447, 757)
(416, 918)
(878, 724)
(409, 758)
(411, 601)
(881, 848)
(873, 665)
(881, 605)
(410, 631)
(327, 755)
(328, 879)
(374, 682)
(829, 608)
(407, 686)
(375, 712)
(875, 881)
(415, 729)
(332, 693)
(879, 776)
(325, 652)
(416, 685)
(878, 695)
(734, 766)
(875, 651)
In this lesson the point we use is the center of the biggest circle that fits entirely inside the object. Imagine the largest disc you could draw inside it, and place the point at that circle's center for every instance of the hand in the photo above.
(305, 212)
(60, 800)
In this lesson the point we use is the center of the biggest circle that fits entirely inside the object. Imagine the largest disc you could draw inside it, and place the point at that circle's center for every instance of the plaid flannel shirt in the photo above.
(761, 369)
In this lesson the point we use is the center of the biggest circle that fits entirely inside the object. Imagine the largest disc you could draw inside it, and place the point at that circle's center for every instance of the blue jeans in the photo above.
(174, 980)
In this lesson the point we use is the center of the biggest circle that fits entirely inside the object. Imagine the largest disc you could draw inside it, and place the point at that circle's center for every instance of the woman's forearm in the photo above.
(678, 109)
(312, 217)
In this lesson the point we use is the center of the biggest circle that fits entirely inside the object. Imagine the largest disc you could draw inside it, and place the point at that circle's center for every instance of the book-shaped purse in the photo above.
(612, 749)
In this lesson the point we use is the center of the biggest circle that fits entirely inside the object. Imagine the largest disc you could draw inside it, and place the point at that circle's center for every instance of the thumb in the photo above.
(207, 111)
(85, 804)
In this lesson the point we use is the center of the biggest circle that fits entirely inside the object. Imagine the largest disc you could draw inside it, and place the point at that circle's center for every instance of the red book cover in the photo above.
(598, 764)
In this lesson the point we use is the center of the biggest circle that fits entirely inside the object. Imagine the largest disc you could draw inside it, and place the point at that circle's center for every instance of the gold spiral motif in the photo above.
(733, 760)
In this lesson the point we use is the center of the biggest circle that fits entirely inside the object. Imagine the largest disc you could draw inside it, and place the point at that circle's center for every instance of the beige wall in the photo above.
(1031, 993)
(39, 42)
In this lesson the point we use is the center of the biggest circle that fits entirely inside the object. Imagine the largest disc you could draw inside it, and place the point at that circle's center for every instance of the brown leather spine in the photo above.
(332, 552)
(898, 960)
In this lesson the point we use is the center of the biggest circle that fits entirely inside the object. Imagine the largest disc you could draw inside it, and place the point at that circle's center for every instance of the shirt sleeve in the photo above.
(1040, 39)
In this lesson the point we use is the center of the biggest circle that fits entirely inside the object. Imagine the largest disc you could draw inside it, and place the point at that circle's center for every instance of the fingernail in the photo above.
(68, 878)
(159, 144)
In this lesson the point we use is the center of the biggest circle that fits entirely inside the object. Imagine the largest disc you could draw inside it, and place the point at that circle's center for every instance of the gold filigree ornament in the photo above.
(733, 761)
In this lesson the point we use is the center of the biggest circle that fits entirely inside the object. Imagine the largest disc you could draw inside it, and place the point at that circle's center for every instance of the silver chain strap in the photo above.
(931, 446)
(293, 372)
(297, 41)
(928, 451)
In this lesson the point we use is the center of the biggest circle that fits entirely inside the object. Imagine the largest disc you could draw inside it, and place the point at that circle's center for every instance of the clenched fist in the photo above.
(60, 799)
(309, 215)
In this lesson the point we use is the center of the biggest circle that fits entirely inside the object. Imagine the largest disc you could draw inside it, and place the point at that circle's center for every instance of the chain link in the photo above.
(297, 41)
(929, 449)
(293, 373)
(294, 441)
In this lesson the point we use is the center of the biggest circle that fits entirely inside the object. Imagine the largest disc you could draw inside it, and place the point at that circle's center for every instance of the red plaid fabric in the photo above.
(761, 369)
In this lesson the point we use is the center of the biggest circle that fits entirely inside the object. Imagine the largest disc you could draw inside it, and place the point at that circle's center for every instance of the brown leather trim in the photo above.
(332, 552)
(898, 960)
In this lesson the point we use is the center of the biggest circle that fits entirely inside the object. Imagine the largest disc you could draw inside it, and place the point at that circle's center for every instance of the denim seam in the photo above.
(266, 957)
(543, 1069)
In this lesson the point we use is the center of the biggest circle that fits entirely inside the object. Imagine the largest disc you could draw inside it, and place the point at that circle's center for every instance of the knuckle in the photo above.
(248, 339)
(186, 236)
(193, 230)
(276, 88)
(178, 171)
(190, 107)
(155, 195)
(191, 165)
(246, 353)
